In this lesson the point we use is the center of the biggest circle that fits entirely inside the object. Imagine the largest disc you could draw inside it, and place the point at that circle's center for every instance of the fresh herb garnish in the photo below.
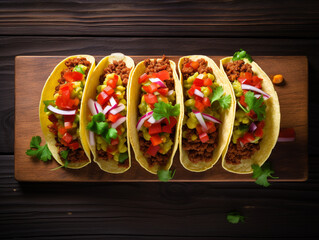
(256, 104)
(64, 154)
(235, 217)
(65, 165)
(100, 127)
(224, 101)
(41, 152)
(165, 110)
(241, 54)
(261, 174)
(47, 103)
(79, 69)
(165, 175)
(123, 157)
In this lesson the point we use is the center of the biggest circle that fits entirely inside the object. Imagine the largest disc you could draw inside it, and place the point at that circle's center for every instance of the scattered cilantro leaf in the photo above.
(64, 154)
(47, 103)
(256, 104)
(224, 101)
(65, 165)
(235, 217)
(242, 54)
(41, 152)
(165, 110)
(262, 173)
(123, 157)
(165, 175)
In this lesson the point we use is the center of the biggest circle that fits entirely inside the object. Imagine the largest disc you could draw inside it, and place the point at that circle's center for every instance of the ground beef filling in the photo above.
(196, 150)
(236, 152)
(120, 69)
(154, 67)
(233, 69)
(77, 155)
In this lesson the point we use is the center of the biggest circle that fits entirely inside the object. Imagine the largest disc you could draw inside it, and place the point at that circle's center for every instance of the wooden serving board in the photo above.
(289, 160)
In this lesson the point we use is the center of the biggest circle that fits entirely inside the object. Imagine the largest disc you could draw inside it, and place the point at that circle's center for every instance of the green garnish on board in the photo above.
(242, 54)
(165, 110)
(100, 127)
(41, 152)
(165, 175)
(235, 217)
(224, 101)
(256, 104)
(262, 173)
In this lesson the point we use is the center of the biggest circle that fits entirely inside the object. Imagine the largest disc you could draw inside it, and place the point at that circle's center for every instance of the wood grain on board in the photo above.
(289, 160)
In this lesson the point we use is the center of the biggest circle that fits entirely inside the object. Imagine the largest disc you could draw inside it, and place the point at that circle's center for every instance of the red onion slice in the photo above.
(112, 101)
(201, 120)
(91, 138)
(286, 139)
(158, 81)
(252, 127)
(118, 122)
(98, 107)
(61, 112)
(151, 120)
(199, 93)
(254, 89)
(170, 92)
(91, 106)
(106, 109)
(211, 118)
(120, 108)
(143, 119)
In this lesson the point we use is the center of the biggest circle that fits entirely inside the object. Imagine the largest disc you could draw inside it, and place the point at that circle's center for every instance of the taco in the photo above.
(154, 113)
(209, 112)
(60, 108)
(104, 113)
(257, 117)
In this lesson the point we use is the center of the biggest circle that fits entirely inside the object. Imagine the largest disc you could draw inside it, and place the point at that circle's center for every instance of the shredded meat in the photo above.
(236, 152)
(233, 69)
(189, 71)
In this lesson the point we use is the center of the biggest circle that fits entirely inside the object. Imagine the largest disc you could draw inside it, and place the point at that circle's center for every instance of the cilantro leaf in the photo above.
(165, 175)
(261, 174)
(100, 127)
(123, 157)
(256, 104)
(235, 217)
(109, 134)
(165, 110)
(242, 54)
(41, 152)
(224, 101)
(47, 103)
(79, 69)
(65, 165)
(64, 154)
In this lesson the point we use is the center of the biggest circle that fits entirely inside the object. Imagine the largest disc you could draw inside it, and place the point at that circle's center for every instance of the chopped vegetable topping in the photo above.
(242, 54)
(256, 104)
(165, 110)
(224, 101)
(41, 152)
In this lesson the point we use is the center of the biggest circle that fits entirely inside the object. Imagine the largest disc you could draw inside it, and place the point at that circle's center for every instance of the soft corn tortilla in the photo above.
(47, 94)
(110, 166)
(272, 124)
(227, 118)
(133, 113)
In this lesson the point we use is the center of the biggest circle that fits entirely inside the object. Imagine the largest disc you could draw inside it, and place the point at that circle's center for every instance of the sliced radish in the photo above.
(61, 112)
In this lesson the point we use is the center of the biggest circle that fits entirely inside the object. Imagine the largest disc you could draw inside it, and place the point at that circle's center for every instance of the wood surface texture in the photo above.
(289, 160)
(157, 210)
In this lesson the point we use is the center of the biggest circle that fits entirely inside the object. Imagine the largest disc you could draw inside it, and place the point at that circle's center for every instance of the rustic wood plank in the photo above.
(290, 160)
(163, 18)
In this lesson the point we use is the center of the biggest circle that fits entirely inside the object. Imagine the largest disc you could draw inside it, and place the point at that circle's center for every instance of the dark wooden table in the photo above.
(156, 210)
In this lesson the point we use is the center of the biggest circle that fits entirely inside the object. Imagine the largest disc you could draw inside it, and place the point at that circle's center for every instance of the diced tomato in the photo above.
(68, 125)
(167, 129)
(150, 98)
(252, 114)
(151, 88)
(108, 90)
(242, 101)
(67, 86)
(211, 126)
(155, 128)
(198, 98)
(287, 133)
(198, 82)
(147, 124)
(115, 141)
(261, 124)
(74, 145)
(163, 91)
(64, 143)
(113, 118)
(112, 83)
(259, 132)
(111, 148)
(256, 81)
(206, 101)
(199, 129)
(76, 102)
(194, 65)
(152, 150)
(53, 118)
(208, 82)
(118, 129)
(73, 76)
(67, 137)
(191, 92)
(188, 64)
(173, 121)
(156, 140)
(248, 137)
(102, 98)
(69, 118)
(203, 137)
(163, 75)
(200, 106)
(62, 130)
(143, 78)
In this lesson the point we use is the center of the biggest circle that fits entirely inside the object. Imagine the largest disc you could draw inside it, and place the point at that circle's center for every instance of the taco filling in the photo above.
(250, 111)
(64, 110)
(157, 113)
(109, 114)
(204, 101)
